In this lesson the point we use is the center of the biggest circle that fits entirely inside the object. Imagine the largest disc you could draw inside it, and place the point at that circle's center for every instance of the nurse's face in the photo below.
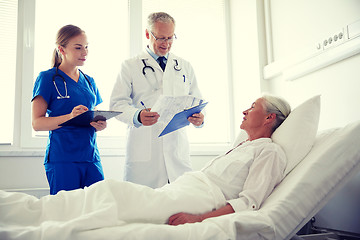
(76, 51)
(161, 30)
(254, 117)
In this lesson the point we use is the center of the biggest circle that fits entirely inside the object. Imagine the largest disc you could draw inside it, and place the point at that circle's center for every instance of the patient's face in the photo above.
(254, 117)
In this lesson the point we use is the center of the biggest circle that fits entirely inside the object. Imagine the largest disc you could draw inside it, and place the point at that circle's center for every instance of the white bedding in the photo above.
(334, 158)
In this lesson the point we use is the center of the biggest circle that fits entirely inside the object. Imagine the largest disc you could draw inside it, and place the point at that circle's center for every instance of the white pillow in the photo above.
(296, 135)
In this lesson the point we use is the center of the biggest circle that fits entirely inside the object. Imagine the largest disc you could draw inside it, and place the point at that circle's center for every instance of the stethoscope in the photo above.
(176, 67)
(66, 90)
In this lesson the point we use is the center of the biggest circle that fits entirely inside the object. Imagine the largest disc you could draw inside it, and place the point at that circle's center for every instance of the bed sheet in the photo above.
(249, 225)
(94, 215)
(334, 158)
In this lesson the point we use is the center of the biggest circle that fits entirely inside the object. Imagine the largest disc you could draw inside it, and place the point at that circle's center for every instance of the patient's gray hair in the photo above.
(277, 105)
(158, 17)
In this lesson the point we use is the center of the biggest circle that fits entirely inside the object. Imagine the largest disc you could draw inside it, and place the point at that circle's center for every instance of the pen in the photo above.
(146, 109)
(184, 77)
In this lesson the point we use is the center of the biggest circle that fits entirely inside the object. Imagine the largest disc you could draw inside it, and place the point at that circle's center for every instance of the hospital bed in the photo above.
(320, 163)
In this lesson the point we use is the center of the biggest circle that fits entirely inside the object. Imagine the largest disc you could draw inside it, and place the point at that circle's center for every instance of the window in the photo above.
(107, 25)
(202, 40)
(8, 33)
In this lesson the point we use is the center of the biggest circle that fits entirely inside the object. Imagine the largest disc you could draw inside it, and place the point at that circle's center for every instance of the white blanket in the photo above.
(334, 158)
(105, 204)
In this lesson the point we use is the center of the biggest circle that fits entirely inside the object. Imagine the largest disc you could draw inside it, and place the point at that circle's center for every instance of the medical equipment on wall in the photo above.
(65, 86)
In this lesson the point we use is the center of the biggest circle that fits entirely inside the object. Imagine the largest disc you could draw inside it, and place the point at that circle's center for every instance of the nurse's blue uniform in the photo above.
(72, 158)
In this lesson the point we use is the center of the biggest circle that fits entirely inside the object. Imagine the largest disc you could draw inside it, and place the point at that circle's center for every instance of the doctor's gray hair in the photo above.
(277, 105)
(62, 39)
(158, 17)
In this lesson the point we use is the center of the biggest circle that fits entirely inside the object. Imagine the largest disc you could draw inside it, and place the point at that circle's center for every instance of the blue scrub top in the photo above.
(69, 144)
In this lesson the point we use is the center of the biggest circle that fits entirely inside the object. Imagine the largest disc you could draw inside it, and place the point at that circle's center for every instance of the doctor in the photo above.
(151, 160)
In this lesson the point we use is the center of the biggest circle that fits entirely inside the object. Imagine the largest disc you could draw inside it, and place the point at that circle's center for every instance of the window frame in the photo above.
(23, 139)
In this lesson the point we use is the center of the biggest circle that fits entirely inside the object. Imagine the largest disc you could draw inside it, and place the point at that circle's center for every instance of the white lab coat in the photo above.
(151, 160)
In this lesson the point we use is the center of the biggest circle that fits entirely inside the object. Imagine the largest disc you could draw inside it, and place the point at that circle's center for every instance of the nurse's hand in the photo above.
(99, 125)
(78, 110)
(197, 119)
(148, 118)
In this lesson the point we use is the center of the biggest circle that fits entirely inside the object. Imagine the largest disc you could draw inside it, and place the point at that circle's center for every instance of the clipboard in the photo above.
(180, 119)
(84, 119)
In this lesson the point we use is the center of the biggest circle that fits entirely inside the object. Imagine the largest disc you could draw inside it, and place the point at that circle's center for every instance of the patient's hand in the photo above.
(182, 218)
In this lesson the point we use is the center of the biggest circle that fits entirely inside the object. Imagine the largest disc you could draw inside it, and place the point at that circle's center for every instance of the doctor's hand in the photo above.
(99, 125)
(148, 118)
(197, 119)
(182, 218)
(78, 110)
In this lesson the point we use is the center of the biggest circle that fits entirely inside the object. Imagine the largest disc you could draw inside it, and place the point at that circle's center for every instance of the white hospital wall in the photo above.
(298, 25)
(24, 172)
(27, 174)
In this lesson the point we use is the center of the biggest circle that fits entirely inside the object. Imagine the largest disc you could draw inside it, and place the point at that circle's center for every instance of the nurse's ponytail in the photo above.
(56, 60)
(62, 39)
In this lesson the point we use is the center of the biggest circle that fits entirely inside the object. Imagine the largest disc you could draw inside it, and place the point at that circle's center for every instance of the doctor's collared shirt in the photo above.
(156, 56)
(248, 174)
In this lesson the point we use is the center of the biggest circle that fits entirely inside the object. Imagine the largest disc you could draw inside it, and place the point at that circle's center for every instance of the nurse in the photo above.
(72, 158)
(151, 160)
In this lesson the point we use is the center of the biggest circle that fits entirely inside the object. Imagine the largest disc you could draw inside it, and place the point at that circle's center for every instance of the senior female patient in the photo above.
(239, 180)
